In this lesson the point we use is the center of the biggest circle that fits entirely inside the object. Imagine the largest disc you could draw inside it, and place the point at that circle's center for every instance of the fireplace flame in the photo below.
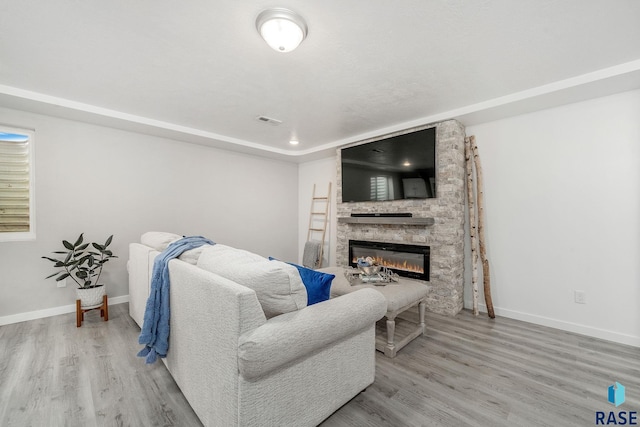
(404, 265)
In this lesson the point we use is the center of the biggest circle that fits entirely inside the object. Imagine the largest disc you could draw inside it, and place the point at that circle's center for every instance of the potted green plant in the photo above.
(83, 262)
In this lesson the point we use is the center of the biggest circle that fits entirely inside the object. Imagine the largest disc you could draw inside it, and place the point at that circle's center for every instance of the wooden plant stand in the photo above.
(104, 311)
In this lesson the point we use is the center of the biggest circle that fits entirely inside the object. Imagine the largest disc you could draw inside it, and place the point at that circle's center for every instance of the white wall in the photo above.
(103, 181)
(562, 202)
(562, 198)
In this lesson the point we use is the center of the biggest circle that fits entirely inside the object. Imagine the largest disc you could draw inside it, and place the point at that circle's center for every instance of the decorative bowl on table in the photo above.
(369, 270)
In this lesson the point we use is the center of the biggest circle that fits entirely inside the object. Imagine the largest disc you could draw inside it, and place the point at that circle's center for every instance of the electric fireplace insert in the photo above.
(406, 260)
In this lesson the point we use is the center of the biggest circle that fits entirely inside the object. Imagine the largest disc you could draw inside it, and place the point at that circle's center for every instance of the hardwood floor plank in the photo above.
(466, 371)
(506, 372)
(55, 374)
(553, 388)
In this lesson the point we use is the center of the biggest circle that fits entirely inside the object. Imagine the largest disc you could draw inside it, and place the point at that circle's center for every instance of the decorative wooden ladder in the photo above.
(319, 217)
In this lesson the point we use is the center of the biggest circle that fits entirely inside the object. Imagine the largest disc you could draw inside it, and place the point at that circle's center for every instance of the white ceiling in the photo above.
(198, 70)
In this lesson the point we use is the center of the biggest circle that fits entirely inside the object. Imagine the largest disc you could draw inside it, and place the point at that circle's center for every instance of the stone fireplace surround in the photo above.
(445, 236)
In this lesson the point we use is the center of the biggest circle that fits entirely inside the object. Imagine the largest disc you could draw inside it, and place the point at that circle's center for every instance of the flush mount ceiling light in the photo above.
(282, 29)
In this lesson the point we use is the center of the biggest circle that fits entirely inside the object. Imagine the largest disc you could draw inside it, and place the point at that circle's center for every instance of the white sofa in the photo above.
(235, 366)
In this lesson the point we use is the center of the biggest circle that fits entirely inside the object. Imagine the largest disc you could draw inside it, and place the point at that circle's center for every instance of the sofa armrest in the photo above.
(293, 335)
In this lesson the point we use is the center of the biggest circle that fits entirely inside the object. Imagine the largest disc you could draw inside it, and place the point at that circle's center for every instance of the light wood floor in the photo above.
(465, 372)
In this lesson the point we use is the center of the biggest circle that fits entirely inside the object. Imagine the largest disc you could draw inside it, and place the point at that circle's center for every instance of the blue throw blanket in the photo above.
(155, 329)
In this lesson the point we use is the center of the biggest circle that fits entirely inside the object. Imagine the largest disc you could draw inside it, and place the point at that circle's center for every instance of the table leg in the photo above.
(105, 307)
(78, 314)
(390, 350)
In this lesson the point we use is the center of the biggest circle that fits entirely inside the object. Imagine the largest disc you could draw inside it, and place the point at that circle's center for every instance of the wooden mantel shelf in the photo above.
(387, 220)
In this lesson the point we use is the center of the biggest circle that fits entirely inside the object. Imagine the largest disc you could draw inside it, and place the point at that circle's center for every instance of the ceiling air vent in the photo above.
(269, 120)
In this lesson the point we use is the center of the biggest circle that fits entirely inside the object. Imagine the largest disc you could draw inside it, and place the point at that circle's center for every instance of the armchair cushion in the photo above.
(159, 240)
(277, 284)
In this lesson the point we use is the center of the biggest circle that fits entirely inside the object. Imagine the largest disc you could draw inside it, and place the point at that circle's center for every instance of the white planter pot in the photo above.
(91, 297)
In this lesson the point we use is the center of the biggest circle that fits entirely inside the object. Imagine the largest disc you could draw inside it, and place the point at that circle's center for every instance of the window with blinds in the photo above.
(16, 185)
(381, 188)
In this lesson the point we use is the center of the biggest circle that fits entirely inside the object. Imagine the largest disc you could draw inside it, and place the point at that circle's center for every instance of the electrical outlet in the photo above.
(62, 283)
(580, 297)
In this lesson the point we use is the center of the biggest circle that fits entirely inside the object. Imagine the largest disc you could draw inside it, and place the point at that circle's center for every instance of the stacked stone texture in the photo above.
(445, 237)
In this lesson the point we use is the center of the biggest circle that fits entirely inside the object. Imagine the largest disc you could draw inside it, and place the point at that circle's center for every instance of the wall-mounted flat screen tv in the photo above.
(395, 168)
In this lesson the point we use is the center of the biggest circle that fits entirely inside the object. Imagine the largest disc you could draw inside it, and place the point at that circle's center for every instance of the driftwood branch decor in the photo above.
(486, 276)
(472, 222)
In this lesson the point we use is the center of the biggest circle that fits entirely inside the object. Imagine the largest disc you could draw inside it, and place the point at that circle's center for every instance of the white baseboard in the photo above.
(54, 311)
(566, 326)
